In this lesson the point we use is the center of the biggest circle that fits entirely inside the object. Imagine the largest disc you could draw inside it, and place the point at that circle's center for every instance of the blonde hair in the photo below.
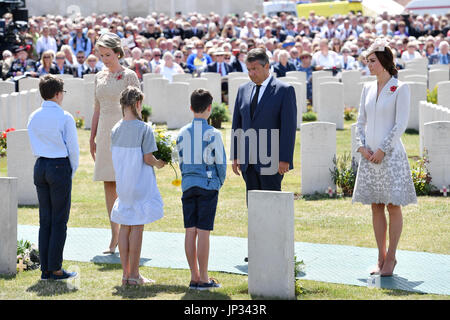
(129, 99)
(111, 41)
(48, 52)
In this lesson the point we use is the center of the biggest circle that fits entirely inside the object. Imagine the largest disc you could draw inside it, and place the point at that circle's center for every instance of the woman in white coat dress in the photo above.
(384, 176)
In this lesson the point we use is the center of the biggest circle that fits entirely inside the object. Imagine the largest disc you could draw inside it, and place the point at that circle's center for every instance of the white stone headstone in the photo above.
(425, 115)
(288, 79)
(419, 64)
(318, 148)
(315, 85)
(181, 77)
(7, 87)
(437, 144)
(355, 155)
(444, 67)
(368, 78)
(214, 85)
(271, 267)
(152, 75)
(233, 86)
(65, 76)
(418, 92)
(155, 97)
(351, 80)
(233, 75)
(4, 115)
(90, 77)
(443, 93)
(72, 102)
(13, 109)
(436, 76)
(8, 225)
(88, 104)
(331, 101)
(197, 83)
(300, 75)
(405, 72)
(301, 100)
(28, 84)
(416, 78)
(300, 94)
(20, 161)
(178, 105)
(35, 101)
(23, 109)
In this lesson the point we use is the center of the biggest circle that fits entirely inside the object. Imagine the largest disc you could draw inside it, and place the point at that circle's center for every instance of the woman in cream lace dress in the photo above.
(109, 83)
(384, 176)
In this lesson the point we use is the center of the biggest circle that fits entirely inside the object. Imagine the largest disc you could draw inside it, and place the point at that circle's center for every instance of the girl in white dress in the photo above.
(384, 176)
(139, 201)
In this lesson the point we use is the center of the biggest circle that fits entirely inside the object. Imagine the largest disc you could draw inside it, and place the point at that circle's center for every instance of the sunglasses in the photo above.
(157, 55)
(178, 57)
(60, 58)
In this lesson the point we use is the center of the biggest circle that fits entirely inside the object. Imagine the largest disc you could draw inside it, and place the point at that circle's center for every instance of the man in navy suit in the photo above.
(264, 126)
(220, 66)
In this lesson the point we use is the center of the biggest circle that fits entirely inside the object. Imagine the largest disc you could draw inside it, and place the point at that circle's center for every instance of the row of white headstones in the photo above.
(170, 100)
(271, 270)
(271, 266)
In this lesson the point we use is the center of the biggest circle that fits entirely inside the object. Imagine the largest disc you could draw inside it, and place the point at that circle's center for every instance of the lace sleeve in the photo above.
(133, 80)
(402, 106)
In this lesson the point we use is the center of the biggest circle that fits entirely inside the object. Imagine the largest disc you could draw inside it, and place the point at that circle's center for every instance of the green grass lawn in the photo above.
(332, 221)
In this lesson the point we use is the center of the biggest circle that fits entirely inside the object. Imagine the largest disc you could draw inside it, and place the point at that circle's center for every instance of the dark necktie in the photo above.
(254, 102)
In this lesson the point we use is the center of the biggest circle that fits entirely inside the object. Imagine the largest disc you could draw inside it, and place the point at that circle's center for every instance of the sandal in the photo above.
(140, 281)
(110, 250)
(124, 281)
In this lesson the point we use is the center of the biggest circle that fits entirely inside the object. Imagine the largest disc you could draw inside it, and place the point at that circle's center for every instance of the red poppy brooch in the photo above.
(393, 88)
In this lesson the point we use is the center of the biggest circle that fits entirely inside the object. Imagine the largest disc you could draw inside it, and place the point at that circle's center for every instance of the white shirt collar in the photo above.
(266, 82)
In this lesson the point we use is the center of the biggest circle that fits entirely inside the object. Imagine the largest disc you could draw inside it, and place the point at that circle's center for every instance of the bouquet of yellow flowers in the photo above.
(166, 150)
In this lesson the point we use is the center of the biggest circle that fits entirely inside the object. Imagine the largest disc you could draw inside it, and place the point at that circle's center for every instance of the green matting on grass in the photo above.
(416, 271)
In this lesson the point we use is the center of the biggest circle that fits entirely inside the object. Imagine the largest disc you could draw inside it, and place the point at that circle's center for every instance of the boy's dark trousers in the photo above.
(53, 181)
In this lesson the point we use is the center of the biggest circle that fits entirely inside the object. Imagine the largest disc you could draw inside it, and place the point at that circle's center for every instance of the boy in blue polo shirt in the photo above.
(203, 170)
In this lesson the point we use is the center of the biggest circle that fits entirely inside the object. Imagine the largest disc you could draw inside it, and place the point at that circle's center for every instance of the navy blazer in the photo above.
(277, 109)
(212, 67)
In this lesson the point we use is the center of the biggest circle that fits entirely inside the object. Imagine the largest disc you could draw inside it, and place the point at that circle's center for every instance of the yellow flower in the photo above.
(161, 135)
(176, 182)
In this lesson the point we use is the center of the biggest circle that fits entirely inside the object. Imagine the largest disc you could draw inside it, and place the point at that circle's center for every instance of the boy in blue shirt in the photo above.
(203, 170)
(54, 141)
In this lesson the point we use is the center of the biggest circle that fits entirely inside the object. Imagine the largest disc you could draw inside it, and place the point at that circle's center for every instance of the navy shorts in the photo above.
(199, 208)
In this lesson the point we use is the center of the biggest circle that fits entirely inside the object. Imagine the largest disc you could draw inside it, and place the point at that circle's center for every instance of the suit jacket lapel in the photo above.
(267, 93)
